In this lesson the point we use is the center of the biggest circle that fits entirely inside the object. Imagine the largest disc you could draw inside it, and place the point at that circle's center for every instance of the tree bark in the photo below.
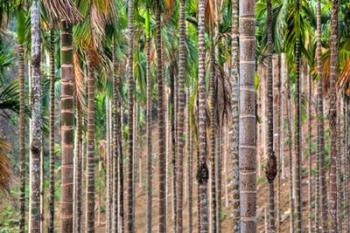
(36, 139)
(130, 71)
(271, 166)
(161, 126)
(235, 118)
(321, 202)
(298, 152)
(202, 173)
(21, 123)
(247, 119)
(180, 142)
(333, 189)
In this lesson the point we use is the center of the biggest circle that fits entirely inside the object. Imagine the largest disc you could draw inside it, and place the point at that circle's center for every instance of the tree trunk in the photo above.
(320, 165)
(161, 126)
(333, 118)
(77, 212)
(271, 166)
(189, 165)
(180, 142)
(235, 118)
(130, 71)
(247, 124)
(52, 159)
(310, 183)
(149, 132)
(202, 175)
(290, 145)
(277, 133)
(298, 203)
(36, 142)
(22, 124)
(212, 139)
(90, 211)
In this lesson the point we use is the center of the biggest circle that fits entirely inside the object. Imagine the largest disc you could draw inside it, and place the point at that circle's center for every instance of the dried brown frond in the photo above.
(62, 10)
(5, 166)
(78, 81)
(211, 13)
(344, 77)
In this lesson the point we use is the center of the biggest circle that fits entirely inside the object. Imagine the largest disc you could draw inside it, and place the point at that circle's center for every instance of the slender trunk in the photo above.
(189, 165)
(202, 175)
(117, 143)
(149, 137)
(310, 183)
(77, 212)
(333, 189)
(218, 158)
(130, 71)
(247, 119)
(235, 119)
(290, 143)
(320, 165)
(212, 142)
(171, 117)
(161, 126)
(298, 156)
(90, 205)
(277, 133)
(36, 139)
(52, 159)
(42, 188)
(271, 166)
(181, 116)
(22, 157)
(109, 167)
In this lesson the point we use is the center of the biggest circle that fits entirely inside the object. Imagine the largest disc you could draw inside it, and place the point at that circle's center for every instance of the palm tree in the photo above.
(64, 12)
(52, 134)
(130, 72)
(247, 126)
(161, 125)
(202, 173)
(35, 144)
(235, 117)
(271, 169)
(333, 117)
(20, 36)
(180, 115)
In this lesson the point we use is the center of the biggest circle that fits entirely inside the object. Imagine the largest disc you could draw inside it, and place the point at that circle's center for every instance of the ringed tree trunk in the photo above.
(51, 217)
(202, 173)
(290, 143)
(36, 142)
(298, 203)
(180, 142)
(333, 118)
(277, 133)
(271, 166)
(149, 127)
(90, 200)
(321, 197)
(131, 214)
(161, 126)
(247, 119)
(20, 50)
(310, 199)
(235, 118)
(67, 128)
(212, 140)
(189, 165)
